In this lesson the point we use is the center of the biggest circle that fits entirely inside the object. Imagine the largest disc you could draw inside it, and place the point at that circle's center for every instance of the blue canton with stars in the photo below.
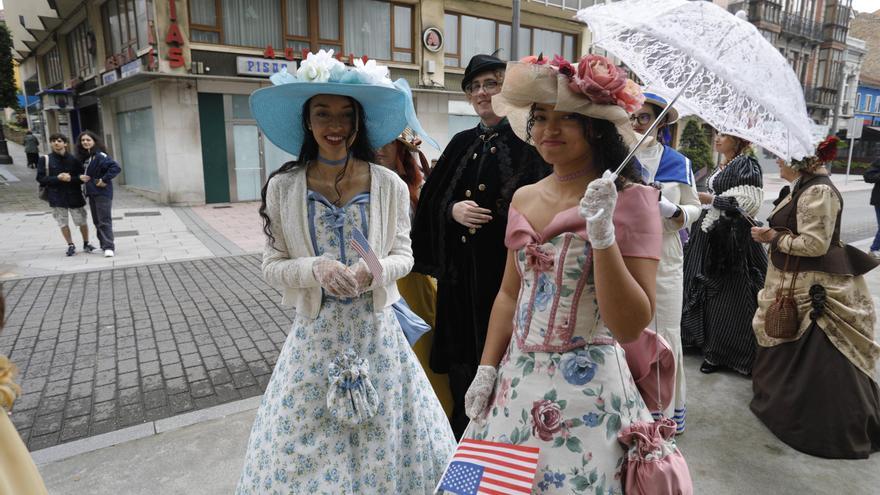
(462, 478)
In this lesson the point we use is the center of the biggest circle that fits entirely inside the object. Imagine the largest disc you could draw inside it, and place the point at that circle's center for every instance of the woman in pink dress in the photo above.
(552, 374)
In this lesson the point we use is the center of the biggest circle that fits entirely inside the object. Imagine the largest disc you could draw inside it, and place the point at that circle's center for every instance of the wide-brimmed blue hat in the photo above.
(388, 107)
(671, 114)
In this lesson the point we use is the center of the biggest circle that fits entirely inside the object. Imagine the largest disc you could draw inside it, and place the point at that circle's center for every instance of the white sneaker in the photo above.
(875, 254)
(108, 253)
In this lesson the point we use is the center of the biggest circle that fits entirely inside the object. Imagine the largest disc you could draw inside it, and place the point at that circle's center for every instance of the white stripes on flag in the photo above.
(360, 244)
(507, 468)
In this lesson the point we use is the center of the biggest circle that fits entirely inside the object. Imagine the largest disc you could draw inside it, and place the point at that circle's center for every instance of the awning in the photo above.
(31, 100)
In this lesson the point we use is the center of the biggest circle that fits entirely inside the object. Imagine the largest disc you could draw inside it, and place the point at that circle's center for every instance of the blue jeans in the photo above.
(875, 246)
(100, 206)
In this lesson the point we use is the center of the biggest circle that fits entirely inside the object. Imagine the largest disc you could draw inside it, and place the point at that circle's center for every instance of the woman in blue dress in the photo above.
(348, 408)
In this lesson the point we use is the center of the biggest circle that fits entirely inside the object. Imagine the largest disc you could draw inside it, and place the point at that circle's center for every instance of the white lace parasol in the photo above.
(742, 85)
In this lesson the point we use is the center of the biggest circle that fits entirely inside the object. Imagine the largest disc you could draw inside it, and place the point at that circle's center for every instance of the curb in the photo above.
(165, 425)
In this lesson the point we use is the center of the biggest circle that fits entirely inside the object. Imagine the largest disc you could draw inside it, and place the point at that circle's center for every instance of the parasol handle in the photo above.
(657, 121)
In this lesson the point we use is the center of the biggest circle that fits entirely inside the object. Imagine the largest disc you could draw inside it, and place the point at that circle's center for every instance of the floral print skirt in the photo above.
(571, 405)
(397, 440)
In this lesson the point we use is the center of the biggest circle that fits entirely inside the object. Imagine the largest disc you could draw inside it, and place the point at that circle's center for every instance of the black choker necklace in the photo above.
(334, 163)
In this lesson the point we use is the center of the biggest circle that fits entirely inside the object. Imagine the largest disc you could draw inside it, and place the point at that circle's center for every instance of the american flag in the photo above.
(491, 468)
(360, 244)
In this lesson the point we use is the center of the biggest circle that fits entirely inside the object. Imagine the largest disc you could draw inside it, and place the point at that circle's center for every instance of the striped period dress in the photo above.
(723, 271)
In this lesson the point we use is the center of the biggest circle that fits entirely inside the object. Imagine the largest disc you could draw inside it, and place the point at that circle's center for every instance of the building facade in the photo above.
(811, 35)
(166, 82)
(855, 55)
(867, 106)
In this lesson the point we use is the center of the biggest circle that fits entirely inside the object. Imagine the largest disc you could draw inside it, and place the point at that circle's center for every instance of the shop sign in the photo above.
(174, 38)
(109, 77)
(255, 66)
(131, 68)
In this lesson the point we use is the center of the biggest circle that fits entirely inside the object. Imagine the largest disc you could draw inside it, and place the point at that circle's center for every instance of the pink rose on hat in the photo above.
(599, 79)
(630, 96)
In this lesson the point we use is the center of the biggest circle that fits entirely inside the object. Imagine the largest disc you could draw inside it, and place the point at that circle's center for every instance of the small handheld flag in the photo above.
(360, 244)
(481, 467)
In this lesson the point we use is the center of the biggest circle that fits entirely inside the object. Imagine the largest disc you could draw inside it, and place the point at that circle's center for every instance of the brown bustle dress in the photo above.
(817, 391)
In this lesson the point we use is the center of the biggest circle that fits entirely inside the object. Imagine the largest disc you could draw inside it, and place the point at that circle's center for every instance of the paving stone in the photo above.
(154, 399)
(52, 404)
(180, 403)
(42, 442)
(196, 373)
(45, 424)
(243, 379)
(127, 380)
(104, 393)
(131, 414)
(129, 396)
(172, 371)
(100, 427)
(75, 428)
(104, 410)
(80, 390)
(83, 375)
(176, 385)
(23, 419)
(78, 407)
(105, 378)
(127, 365)
(190, 360)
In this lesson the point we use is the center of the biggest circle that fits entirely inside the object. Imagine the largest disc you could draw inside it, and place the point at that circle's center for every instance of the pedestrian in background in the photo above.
(63, 180)
(872, 176)
(723, 267)
(31, 149)
(100, 170)
(458, 230)
(814, 387)
(671, 171)
(18, 474)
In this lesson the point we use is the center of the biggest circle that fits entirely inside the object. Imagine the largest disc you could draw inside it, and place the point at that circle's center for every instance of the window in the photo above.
(877, 105)
(868, 103)
(125, 24)
(377, 28)
(467, 36)
(79, 42)
(52, 60)
(858, 101)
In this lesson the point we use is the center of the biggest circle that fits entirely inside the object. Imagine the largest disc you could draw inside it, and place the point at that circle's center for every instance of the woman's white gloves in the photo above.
(477, 397)
(667, 208)
(597, 208)
(335, 278)
(362, 275)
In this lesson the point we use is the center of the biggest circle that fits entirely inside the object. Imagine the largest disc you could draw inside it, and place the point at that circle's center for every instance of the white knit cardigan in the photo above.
(287, 263)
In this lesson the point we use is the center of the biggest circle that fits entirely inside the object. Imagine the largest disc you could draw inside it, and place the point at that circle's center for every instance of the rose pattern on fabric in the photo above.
(545, 293)
(546, 419)
(578, 368)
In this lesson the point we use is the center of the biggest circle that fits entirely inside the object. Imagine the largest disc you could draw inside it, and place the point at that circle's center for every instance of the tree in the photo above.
(8, 91)
(695, 146)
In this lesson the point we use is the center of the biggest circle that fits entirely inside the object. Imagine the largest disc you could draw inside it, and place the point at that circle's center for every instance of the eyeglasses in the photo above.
(491, 86)
(642, 118)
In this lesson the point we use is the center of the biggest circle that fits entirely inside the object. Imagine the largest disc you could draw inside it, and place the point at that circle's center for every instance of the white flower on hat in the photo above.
(372, 73)
(317, 67)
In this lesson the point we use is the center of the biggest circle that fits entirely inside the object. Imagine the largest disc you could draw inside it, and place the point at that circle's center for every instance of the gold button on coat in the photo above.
(472, 231)
(463, 239)
(482, 187)
(475, 156)
(467, 193)
(493, 150)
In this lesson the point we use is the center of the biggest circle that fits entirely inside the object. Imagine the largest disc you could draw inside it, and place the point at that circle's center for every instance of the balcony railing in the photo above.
(801, 26)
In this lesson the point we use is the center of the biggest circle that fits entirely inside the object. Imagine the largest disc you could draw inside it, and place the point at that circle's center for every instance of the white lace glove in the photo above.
(667, 208)
(477, 396)
(362, 275)
(335, 278)
(597, 208)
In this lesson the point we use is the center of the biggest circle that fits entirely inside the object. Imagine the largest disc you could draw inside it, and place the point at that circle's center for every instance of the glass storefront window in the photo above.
(467, 36)
(138, 142)
(125, 24)
(254, 23)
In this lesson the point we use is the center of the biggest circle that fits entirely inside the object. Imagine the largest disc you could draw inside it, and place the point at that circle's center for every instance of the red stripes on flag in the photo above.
(507, 468)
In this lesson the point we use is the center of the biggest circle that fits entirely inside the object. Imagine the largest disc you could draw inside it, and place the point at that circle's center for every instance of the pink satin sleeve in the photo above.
(519, 232)
(637, 225)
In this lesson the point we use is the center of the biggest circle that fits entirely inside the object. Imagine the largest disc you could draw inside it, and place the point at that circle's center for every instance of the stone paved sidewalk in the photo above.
(102, 350)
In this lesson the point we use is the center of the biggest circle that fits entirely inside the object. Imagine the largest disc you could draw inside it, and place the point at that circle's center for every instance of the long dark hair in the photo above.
(83, 153)
(360, 149)
(607, 147)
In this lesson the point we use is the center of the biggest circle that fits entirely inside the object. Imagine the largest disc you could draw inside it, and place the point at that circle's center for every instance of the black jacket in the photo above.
(101, 166)
(62, 194)
(872, 176)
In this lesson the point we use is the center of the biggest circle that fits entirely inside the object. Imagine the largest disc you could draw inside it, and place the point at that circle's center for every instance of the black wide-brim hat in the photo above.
(479, 64)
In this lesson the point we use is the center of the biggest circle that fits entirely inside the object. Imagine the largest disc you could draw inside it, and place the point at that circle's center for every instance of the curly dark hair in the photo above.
(607, 146)
(360, 149)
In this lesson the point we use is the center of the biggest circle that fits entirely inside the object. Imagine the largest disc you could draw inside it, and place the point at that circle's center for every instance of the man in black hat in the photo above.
(459, 227)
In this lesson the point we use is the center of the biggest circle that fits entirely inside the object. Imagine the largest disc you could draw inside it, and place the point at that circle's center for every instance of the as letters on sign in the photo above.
(173, 36)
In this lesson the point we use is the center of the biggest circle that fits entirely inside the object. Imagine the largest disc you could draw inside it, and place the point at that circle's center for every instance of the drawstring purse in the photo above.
(781, 319)
(351, 399)
(652, 463)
